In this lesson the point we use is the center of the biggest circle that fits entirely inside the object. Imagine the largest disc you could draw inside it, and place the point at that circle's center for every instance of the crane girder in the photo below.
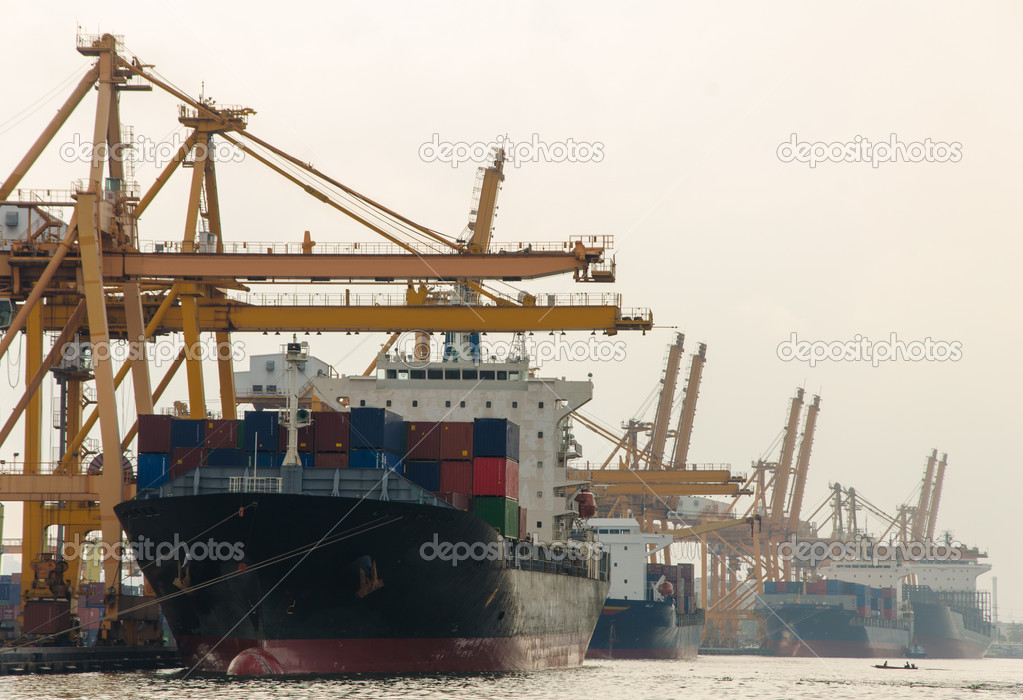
(315, 268)
(228, 315)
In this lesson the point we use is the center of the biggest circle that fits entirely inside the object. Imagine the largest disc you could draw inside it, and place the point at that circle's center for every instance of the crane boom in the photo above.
(803, 463)
(788, 446)
(920, 518)
(684, 432)
(659, 436)
(932, 511)
(481, 217)
(687, 532)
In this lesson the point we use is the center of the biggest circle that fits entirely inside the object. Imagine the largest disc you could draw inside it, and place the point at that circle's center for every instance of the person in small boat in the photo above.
(886, 664)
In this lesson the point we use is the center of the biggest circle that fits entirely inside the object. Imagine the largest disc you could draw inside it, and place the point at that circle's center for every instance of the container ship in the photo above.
(834, 618)
(651, 609)
(325, 536)
(951, 618)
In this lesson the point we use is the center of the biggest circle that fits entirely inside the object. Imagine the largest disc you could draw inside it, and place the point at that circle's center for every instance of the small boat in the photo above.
(916, 652)
(906, 667)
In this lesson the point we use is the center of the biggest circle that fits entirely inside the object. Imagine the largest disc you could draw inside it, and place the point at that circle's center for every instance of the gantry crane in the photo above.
(728, 594)
(646, 485)
(93, 277)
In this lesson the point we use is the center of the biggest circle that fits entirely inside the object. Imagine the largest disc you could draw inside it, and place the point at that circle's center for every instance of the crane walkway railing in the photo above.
(382, 248)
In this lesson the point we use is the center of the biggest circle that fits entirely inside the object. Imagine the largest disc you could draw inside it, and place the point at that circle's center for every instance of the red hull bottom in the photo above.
(327, 656)
(687, 652)
(835, 649)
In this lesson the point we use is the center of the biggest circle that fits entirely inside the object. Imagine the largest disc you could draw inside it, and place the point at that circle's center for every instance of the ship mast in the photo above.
(295, 354)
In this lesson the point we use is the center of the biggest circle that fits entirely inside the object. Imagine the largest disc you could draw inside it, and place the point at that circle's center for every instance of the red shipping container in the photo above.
(331, 431)
(46, 617)
(330, 460)
(221, 434)
(459, 500)
(185, 460)
(456, 477)
(155, 433)
(89, 617)
(495, 476)
(306, 439)
(523, 524)
(422, 441)
(455, 440)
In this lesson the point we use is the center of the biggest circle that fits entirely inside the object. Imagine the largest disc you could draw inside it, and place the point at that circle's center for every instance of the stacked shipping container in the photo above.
(681, 578)
(468, 465)
(870, 602)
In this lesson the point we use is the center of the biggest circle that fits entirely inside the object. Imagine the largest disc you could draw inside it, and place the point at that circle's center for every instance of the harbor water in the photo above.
(706, 677)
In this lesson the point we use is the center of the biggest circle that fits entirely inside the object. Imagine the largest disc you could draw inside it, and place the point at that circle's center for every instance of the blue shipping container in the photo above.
(262, 431)
(226, 457)
(152, 470)
(186, 432)
(770, 587)
(374, 459)
(263, 459)
(495, 437)
(425, 474)
(377, 429)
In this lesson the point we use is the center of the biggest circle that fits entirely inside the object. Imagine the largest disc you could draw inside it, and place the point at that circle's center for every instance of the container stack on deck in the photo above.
(870, 602)
(681, 577)
(472, 466)
(10, 595)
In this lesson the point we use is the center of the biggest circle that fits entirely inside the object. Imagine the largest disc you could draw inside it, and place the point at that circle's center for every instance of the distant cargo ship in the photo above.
(833, 618)
(651, 611)
(341, 571)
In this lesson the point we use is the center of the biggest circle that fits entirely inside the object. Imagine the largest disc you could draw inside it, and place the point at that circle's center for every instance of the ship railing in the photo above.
(597, 568)
(254, 484)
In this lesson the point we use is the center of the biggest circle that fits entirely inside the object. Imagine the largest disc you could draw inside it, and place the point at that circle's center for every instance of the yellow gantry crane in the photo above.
(94, 282)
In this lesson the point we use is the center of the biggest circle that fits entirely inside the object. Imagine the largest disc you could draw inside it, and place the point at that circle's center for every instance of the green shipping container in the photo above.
(241, 435)
(501, 513)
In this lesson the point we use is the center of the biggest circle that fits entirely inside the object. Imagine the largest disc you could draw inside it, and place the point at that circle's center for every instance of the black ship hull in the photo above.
(946, 633)
(342, 585)
(829, 631)
(631, 629)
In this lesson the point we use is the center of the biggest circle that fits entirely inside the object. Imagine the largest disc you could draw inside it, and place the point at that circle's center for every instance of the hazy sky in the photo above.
(688, 104)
